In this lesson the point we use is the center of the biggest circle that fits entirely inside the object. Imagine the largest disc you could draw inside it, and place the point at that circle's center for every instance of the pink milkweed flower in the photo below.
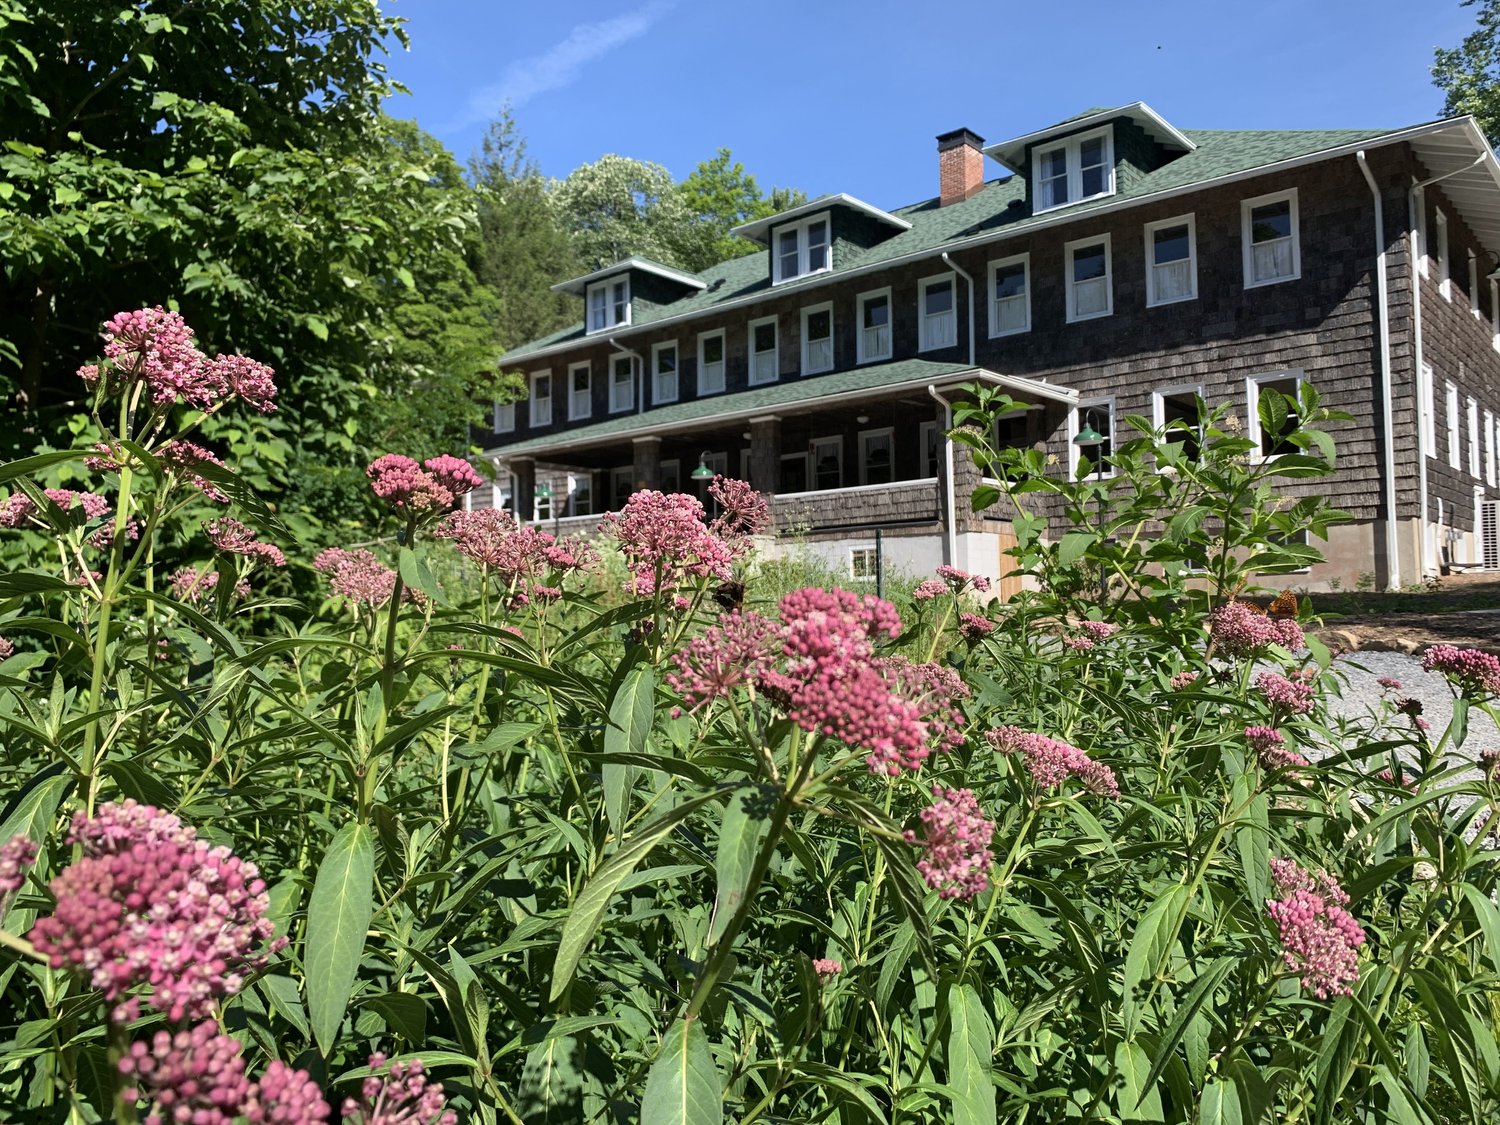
(16, 855)
(189, 584)
(285, 1096)
(184, 459)
(1238, 629)
(736, 652)
(1271, 748)
(1476, 673)
(1098, 630)
(955, 844)
(150, 904)
(402, 1095)
(406, 486)
(7, 650)
(1050, 761)
(253, 381)
(1292, 697)
(974, 628)
(928, 589)
(234, 538)
(960, 580)
(1183, 680)
(745, 511)
(155, 347)
(1320, 939)
(663, 538)
(357, 575)
(827, 967)
(454, 474)
(1389, 683)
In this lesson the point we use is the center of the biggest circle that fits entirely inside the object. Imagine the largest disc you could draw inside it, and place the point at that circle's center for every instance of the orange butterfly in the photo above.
(1285, 605)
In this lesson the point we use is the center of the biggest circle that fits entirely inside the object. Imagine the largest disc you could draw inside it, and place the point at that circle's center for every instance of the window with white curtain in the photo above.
(875, 326)
(1089, 283)
(580, 392)
(1489, 448)
(763, 360)
(1171, 261)
(1270, 232)
(1452, 392)
(622, 385)
(1473, 418)
(817, 339)
(664, 372)
(541, 398)
(935, 302)
(801, 249)
(609, 304)
(711, 363)
(505, 417)
(1073, 170)
(1010, 295)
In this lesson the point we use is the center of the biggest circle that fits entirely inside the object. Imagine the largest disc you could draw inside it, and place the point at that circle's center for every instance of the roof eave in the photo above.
(759, 231)
(1012, 153)
(577, 285)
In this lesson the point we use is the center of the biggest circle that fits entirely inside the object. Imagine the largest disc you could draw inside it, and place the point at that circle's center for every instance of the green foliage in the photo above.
(720, 195)
(1469, 74)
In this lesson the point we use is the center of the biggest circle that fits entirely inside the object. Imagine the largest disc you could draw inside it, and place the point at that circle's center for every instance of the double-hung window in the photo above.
(1473, 416)
(1269, 229)
(1452, 403)
(764, 367)
(580, 392)
(1171, 261)
(1099, 415)
(877, 456)
(609, 304)
(935, 300)
(541, 398)
(817, 339)
(1489, 448)
(801, 249)
(621, 384)
(1090, 287)
(828, 462)
(1073, 170)
(505, 417)
(1444, 261)
(1474, 286)
(664, 373)
(1285, 383)
(874, 326)
(1010, 295)
(1177, 413)
(711, 363)
(1426, 386)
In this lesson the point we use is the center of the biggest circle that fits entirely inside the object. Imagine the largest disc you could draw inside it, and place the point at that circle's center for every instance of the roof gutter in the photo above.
(1045, 224)
(963, 273)
(1387, 409)
(950, 517)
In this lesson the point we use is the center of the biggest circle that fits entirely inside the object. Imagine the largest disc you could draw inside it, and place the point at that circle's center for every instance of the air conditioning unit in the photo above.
(1489, 534)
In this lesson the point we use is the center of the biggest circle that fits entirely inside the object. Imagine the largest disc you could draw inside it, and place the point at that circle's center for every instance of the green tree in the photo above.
(230, 158)
(720, 195)
(1469, 74)
(619, 206)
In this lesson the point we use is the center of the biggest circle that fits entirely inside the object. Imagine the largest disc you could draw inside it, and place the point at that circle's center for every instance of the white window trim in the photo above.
(859, 550)
(1450, 396)
(504, 418)
(656, 350)
(1159, 409)
(1102, 404)
(1246, 246)
(1427, 405)
(806, 366)
(615, 404)
(1471, 410)
(1070, 249)
(1444, 260)
(806, 459)
(1073, 146)
(1252, 402)
(531, 415)
(750, 352)
(878, 431)
(574, 414)
(704, 337)
(607, 287)
(1190, 221)
(922, 318)
(837, 441)
(801, 228)
(923, 431)
(995, 267)
(1489, 448)
(1474, 286)
(859, 325)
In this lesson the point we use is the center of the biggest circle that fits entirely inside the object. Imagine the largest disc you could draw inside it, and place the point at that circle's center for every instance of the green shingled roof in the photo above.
(761, 400)
(996, 211)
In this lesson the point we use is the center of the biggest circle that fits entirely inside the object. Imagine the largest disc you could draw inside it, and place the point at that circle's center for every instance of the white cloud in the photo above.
(559, 65)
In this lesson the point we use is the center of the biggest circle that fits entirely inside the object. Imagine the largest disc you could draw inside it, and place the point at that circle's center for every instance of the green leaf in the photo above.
(1072, 546)
(338, 916)
(1220, 1104)
(31, 812)
(971, 1046)
(740, 833)
(405, 1013)
(1153, 937)
(631, 714)
(683, 1087)
(1485, 913)
(588, 910)
(1138, 1099)
(317, 326)
(551, 1090)
(1203, 988)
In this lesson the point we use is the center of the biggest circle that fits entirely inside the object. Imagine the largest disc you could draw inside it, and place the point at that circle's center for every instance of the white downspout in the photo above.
(956, 268)
(951, 517)
(638, 366)
(1387, 413)
(1415, 213)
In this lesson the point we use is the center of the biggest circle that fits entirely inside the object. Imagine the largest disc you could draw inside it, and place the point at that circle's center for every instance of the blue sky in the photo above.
(830, 95)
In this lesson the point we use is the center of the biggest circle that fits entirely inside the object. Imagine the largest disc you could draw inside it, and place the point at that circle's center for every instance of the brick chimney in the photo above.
(960, 166)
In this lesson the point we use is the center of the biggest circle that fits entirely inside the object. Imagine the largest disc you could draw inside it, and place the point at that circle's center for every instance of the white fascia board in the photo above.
(1061, 217)
(577, 285)
(1012, 153)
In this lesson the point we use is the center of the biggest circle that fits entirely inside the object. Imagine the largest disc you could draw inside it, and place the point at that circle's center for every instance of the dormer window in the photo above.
(801, 249)
(609, 304)
(1071, 171)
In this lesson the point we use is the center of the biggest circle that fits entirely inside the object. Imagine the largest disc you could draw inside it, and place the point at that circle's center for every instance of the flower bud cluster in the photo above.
(527, 560)
(20, 509)
(961, 580)
(1051, 761)
(357, 575)
(827, 967)
(16, 856)
(184, 459)
(744, 511)
(401, 1096)
(973, 627)
(1238, 629)
(189, 584)
(1476, 673)
(740, 650)
(955, 844)
(928, 589)
(431, 486)
(665, 541)
(1320, 940)
(151, 904)
(155, 348)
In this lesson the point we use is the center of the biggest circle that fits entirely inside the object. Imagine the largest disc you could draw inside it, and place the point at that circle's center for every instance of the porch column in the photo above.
(765, 454)
(966, 478)
(523, 500)
(647, 463)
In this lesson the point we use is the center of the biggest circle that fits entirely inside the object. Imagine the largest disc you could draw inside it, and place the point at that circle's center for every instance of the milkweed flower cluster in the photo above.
(1476, 673)
(974, 628)
(1320, 939)
(6, 649)
(198, 1075)
(961, 580)
(1239, 629)
(736, 652)
(155, 348)
(1051, 761)
(1289, 696)
(955, 844)
(928, 589)
(234, 538)
(16, 857)
(151, 904)
(526, 559)
(1098, 630)
(357, 575)
(1184, 680)
(1271, 748)
(186, 459)
(433, 485)
(827, 967)
(402, 1095)
(189, 584)
(744, 511)
(20, 509)
(665, 542)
